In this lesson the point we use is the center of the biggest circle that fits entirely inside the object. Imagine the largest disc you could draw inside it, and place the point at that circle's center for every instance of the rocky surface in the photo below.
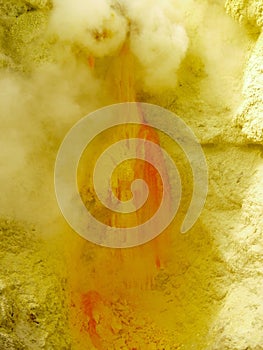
(246, 11)
(33, 301)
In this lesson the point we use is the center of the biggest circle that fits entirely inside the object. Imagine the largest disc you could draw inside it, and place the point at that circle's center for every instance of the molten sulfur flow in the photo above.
(112, 277)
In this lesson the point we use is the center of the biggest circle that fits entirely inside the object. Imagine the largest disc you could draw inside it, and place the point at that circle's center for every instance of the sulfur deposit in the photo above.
(59, 61)
(33, 305)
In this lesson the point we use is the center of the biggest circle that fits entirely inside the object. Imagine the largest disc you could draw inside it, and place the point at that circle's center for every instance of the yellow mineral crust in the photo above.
(33, 302)
(250, 114)
(246, 11)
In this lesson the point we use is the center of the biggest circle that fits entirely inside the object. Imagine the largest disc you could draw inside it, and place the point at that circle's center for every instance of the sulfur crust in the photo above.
(33, 313)
(246, 11)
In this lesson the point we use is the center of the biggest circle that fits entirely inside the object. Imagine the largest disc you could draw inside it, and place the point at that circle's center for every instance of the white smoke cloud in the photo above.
(36, 111)
(156, 39)
(94, 25)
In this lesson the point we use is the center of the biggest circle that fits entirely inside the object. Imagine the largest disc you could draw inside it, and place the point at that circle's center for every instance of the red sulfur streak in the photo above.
(157, 262)
(91, 62)
(90, 301)
(148, 134)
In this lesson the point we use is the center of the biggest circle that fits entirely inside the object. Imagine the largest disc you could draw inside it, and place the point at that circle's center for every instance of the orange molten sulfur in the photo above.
(135, 266)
